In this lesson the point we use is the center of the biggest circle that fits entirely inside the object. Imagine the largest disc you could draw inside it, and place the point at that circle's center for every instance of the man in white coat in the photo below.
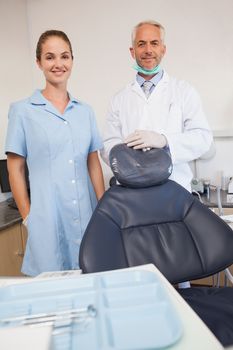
(156, 110)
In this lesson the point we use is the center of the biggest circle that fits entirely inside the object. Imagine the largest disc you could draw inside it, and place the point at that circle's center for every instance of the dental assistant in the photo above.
(168, 113)
(56, 135)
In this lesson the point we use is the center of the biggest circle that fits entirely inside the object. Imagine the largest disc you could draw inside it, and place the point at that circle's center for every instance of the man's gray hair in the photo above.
(153, 23)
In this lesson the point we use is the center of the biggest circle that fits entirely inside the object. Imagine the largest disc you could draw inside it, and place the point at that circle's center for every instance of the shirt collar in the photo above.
(72, 99)
(154, 80)
(38, 99)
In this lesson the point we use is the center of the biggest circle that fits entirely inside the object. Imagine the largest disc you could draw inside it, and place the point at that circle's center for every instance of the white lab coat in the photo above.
(174, 109)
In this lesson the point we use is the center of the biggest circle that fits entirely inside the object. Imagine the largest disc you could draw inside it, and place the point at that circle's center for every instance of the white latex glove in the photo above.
(143, 139)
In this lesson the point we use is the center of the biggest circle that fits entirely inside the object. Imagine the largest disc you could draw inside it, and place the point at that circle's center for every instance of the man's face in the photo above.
(148, 48)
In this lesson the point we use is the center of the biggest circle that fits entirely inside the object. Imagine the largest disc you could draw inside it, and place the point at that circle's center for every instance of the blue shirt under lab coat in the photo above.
(56, 147)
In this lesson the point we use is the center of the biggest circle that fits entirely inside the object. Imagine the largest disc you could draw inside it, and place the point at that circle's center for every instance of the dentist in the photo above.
(156, 110)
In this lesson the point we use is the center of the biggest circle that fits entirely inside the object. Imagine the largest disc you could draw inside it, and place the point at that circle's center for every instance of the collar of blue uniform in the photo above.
(38, 99)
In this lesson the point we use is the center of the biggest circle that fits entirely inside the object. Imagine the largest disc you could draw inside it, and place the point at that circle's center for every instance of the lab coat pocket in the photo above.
(174, 120)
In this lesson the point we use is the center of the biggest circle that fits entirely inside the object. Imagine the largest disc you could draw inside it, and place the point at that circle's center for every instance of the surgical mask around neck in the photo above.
(146, 71)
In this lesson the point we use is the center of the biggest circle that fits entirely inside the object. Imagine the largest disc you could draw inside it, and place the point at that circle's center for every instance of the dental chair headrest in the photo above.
(138, 168)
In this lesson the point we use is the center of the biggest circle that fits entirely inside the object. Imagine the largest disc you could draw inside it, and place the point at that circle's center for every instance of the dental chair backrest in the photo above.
(150, 219)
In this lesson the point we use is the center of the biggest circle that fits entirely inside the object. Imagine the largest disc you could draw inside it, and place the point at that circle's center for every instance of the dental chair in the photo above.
(150, 219)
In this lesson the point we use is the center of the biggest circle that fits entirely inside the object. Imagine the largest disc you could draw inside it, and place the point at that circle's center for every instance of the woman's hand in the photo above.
(96, 174)
(16, 169)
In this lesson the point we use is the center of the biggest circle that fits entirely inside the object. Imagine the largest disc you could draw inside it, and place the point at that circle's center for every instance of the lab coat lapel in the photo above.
(159, 87)
(156, 105)
(137, 89)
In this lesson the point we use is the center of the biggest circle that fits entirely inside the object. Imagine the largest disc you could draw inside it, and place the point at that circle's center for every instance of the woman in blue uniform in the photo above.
(57, 136)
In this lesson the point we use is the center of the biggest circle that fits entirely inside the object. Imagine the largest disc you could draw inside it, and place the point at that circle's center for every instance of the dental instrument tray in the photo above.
(115, 310)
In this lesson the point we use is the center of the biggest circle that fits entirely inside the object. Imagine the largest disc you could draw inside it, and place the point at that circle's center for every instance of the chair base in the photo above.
(215, 307)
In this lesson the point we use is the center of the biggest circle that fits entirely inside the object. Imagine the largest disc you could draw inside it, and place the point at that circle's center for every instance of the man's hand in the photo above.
(143, 139)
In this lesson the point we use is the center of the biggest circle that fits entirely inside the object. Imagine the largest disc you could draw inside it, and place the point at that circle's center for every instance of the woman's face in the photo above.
(56, 60)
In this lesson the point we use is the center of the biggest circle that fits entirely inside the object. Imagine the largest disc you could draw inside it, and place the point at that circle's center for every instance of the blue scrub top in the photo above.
(56, 147)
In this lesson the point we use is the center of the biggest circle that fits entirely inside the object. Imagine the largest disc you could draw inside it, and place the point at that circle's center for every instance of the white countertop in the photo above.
(196, 334)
